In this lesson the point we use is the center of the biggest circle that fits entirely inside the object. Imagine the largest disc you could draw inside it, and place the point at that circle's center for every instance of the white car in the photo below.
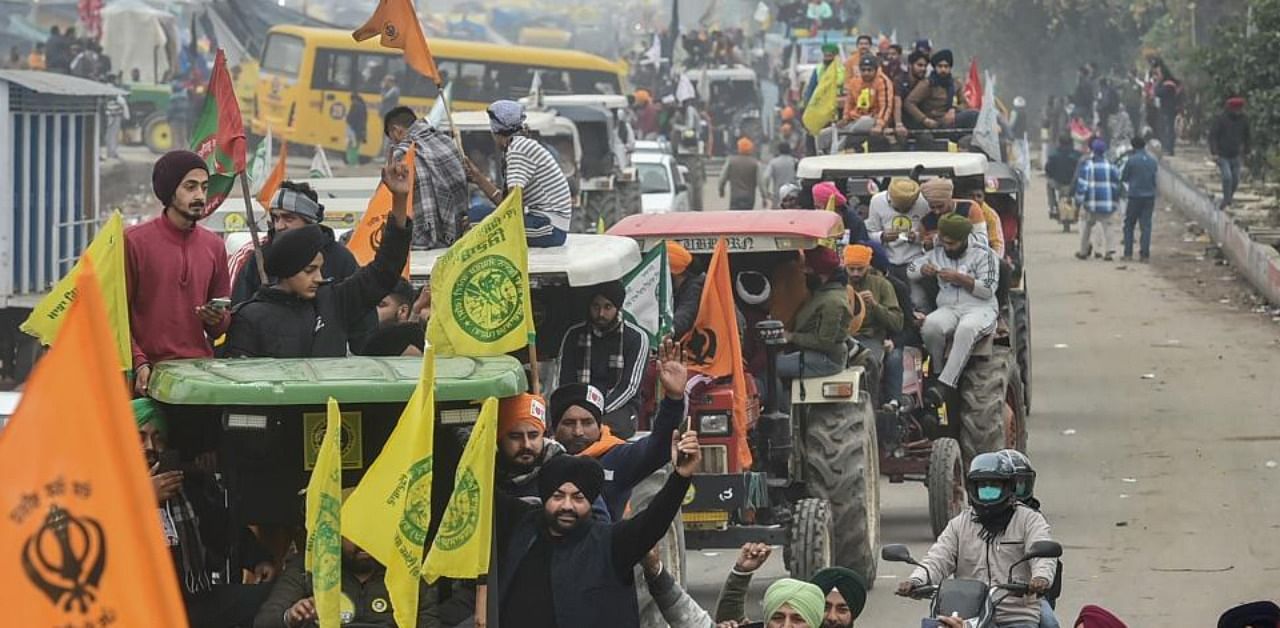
(662, 183)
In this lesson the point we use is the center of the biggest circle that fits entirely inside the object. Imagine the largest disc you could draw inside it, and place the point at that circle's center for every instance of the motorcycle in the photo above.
(973, 600)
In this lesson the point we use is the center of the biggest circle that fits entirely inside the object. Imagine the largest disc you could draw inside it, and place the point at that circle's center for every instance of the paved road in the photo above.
(1158, 488)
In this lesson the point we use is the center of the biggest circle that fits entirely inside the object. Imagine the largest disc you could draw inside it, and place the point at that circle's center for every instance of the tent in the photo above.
(136, 35)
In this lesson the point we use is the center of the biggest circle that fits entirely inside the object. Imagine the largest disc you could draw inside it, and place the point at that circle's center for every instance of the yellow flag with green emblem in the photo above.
(324, 531)
(481, 286)
(107, 253)
(820, 111)
(461, 547)
(389, 512)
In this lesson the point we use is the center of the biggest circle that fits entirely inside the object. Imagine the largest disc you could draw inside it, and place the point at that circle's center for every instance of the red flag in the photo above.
(973, 86)
(219, 134)
(715, 344)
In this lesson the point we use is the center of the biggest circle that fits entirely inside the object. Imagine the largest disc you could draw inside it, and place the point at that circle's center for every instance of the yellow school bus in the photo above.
(308, 76)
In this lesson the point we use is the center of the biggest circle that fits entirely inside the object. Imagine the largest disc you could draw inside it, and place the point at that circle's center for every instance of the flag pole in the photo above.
(448, 112)
(253, 228)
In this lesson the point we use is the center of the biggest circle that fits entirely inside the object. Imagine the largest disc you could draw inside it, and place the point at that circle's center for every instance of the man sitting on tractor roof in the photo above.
(967, 277)
(576, 410)
(610, 353)
(822, 323)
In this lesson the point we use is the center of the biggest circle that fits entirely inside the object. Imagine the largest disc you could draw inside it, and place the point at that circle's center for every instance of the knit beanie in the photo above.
(170, 169)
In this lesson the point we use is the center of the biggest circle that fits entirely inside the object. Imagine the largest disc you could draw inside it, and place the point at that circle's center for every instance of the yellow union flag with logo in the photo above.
(389, 512)
(324, 531)
(461, 547)
(107, 253)
(481, 288)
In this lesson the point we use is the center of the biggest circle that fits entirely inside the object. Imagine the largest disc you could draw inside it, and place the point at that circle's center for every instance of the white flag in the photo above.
(986, 133)
(685, 90)
(653, 56)
(260, 165)
(320, 165)
(648, 301)
(535, 90)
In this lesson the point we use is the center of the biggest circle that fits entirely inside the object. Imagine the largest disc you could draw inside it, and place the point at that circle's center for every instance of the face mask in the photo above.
(989, 493)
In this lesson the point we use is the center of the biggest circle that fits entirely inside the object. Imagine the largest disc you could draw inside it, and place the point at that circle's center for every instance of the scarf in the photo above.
(949, 83)
(993, 524)
(440, 186)
(601, 447)
(550, 449)
(191, 551)
(617, 361)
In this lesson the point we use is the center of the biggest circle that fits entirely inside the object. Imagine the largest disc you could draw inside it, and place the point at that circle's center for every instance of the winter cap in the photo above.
(678, 257)
(291, 251)
(868, 62)
(583, 472)
(506, 117)
(522, 409)
(170, 170)
(584, 396)
(1098, 146)
(822, 260)
(803, 597)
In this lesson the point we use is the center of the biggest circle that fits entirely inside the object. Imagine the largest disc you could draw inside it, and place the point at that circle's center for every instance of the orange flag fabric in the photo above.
(79, 526)
(272, 184)
(714, 345)
(398, 24)
(367, 236)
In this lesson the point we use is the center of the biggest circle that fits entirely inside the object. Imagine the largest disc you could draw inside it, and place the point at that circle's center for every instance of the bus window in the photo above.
(333, 71)
(471, 78)
(592, 82)
(283, 55)
(513, 81)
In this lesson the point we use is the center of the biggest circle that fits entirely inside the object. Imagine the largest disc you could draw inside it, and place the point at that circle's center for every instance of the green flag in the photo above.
(649, 295)
(219, 134)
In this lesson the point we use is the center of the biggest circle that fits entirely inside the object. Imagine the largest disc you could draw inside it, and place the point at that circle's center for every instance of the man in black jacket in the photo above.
(1229, 143)
(557, 566)
(296, 205)
(1061, 168)
(610, 353)
(301, 315)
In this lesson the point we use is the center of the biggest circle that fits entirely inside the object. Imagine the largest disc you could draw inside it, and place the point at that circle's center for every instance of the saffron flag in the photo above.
(366, 238)
(272, 183)
(389, 513)
(219, 135)
(714, 344)
(324, 532)
(649, 295)
(973, 86)
(398, 24)
(820, 111)
(107, 253)
(80, 524)
(461, 547)
(482, 283)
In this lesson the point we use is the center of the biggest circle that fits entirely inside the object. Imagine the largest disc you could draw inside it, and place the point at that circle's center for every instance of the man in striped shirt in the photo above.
(548, 204)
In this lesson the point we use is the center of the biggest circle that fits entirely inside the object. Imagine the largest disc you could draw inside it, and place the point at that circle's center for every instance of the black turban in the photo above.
(613, 291)
(583, 472)
(943, 55)
(849, 583)
(291, 251)
(584, 396)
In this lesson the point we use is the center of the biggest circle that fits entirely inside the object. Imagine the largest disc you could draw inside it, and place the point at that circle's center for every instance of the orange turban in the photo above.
(788, 113)
(522, 409)
(678, 257)
(746, 146)
(642, 97)
(857, 256)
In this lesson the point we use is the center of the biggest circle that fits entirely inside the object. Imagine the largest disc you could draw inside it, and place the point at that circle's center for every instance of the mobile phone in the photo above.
(220, 303)
(929, 622)
(169, 461)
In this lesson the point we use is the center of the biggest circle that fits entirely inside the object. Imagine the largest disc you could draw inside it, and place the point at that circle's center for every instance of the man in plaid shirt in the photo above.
(1098, 196)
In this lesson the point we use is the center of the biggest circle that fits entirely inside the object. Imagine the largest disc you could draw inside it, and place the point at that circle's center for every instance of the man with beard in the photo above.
(609, 353)
(176, 271)
(916, 70)
(967, 277)
(365, 601)
(557, 566)
(984, 542)
(845, 590)
(932, 102)
(821, 324)
(523, 448)
(576, 412)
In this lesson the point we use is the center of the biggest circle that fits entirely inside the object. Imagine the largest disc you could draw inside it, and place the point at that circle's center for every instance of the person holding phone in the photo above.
(194, 524)
(302, 314)
(175, 271)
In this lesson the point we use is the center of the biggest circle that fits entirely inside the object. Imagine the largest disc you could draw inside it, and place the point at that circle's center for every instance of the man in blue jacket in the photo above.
(576, 410)
(1139, 177)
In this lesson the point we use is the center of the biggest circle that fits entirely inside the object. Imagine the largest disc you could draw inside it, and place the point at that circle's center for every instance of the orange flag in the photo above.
(272, 184)
(714, 344)
(367, 236)
(79, 526)
(398, 24)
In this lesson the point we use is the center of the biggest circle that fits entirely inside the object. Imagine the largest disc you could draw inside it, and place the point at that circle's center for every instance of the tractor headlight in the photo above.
(713, 425)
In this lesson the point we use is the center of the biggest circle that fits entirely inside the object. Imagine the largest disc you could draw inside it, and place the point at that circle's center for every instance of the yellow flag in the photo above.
(821, 109)
(389, 512)
(461, 547)
(107, 253)
(80, 532)
(483, 284)
(324, 532)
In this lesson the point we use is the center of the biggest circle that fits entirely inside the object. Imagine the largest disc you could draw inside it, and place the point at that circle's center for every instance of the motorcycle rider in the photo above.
(1024, 487)
(983, 543)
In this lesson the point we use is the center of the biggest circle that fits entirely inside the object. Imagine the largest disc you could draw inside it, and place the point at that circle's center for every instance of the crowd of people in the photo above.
(65, 52)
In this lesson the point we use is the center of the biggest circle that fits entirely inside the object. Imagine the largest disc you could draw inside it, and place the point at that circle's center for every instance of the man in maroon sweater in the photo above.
(175, 269)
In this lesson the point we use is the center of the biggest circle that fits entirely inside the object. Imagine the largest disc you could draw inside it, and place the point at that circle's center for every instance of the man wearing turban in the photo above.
(790, 602)
(301, 315)
(557, 566)
(882, 319)
(967, 276)
(687, 282)
(896, 219)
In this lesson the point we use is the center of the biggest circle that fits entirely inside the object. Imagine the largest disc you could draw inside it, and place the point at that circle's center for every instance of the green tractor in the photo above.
(148, 121)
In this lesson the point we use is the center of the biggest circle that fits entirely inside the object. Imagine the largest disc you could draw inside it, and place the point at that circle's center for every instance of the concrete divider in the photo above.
(1258, 262)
